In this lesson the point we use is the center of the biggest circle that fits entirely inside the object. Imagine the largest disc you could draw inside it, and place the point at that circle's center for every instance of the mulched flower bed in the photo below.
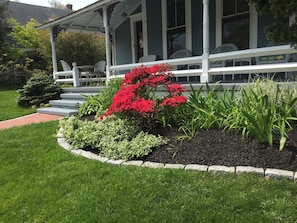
(227, 148)
(217, 147)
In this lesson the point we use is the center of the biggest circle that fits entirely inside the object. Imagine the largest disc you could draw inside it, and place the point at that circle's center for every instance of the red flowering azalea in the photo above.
(175, 101)
(175, 89)
(136, 96)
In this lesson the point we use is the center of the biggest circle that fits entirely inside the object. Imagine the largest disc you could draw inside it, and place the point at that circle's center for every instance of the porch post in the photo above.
(54, 54)
(205, 63)
(107, 42)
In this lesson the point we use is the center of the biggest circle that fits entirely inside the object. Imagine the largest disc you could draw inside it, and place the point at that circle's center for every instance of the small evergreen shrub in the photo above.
(115, 138)
(40, 88)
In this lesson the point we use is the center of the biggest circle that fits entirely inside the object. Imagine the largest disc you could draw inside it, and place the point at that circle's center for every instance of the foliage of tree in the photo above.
(26, 44)
(29, 43)
(84, 49)
(281, 31)
(3, 17)
(56, 4)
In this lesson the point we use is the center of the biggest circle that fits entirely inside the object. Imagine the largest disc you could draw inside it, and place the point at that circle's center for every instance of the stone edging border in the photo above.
(267, 173)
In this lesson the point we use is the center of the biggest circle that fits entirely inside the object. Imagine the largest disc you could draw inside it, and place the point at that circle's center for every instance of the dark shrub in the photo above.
(40, 88)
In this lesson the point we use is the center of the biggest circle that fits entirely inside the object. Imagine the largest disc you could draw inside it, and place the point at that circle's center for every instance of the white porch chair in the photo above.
(92, 73)
(66, 67)
(147, 58)
(227, 47)
(99, 71)
(181, 54)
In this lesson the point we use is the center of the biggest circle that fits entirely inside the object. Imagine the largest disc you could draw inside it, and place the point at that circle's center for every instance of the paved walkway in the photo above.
(28, 119)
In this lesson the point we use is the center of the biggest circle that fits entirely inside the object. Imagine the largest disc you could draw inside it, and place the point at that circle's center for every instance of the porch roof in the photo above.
(90, 20)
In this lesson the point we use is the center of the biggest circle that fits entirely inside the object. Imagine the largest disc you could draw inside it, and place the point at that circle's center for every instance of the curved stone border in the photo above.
(267, 173)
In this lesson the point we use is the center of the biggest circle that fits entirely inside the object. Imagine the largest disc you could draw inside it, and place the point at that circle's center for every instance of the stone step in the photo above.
(71, 100)
(63, 103)
(83, 89)
(76, 96)
(57, 111)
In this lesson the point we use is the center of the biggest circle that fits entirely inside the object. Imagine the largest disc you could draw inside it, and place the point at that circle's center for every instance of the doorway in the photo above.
(138, 40)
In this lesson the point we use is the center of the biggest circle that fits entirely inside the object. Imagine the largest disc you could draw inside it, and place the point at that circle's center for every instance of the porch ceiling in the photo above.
(89, 19)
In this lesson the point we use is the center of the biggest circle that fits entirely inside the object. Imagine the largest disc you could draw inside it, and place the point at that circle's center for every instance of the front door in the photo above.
(137, 37)
(138, 40)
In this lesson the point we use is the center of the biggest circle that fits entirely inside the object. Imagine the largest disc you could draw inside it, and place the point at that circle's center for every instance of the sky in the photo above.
(77, 4)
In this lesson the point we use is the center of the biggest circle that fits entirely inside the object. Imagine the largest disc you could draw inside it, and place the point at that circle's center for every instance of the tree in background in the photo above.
(56, 4)
(26, 47)
(284, 29)
(34, 46)
(3, 18)
(84, 49)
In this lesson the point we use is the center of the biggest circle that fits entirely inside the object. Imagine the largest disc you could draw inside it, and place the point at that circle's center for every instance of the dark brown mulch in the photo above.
(217, 147)
(227, 148)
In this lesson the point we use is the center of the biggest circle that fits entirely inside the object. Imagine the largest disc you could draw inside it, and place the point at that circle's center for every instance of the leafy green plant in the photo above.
(40, 88)
(98, 104)
(206, 109)
(113, 137)
(91, 107)
(260, 115)
(269, 111)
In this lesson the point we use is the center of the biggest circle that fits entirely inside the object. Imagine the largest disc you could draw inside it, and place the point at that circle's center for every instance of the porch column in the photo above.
(205, 63)
(107, 42)
(54, 54)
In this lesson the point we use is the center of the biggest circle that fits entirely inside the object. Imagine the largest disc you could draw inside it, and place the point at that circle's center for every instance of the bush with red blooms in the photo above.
(137, 99)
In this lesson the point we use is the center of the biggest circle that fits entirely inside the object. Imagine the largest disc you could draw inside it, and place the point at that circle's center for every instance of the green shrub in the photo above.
(98, 104)
(40, 88)
(115, 138)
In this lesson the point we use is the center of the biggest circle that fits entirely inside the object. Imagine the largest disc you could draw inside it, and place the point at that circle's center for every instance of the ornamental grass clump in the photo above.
(137, 99)
(269, 111)
(264, 109)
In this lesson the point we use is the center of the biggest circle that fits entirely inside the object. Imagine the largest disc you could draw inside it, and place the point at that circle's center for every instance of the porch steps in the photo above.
(71, 100)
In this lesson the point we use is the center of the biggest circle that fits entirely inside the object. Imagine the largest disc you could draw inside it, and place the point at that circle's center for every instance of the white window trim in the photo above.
(188, 26)
(253, 25)
(139, 17)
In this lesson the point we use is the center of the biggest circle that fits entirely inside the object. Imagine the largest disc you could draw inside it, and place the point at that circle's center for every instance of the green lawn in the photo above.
(8, 104)
(40, 182)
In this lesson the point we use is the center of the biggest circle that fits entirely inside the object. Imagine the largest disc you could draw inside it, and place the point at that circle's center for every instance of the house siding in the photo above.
(154, 31)
(123, 43)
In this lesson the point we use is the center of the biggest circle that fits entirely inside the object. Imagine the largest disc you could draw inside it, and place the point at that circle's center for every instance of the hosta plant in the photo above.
(98, 104)
(115, 138)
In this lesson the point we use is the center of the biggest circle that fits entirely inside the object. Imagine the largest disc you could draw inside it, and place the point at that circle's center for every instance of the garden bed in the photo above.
(217, 147)
(222, 147)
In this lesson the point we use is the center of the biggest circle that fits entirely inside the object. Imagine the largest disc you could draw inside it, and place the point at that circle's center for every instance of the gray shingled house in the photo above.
(22, 12)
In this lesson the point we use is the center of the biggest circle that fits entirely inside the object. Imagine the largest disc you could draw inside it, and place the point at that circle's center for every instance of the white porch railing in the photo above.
(234, 55)
(192, 63)
(76, 76)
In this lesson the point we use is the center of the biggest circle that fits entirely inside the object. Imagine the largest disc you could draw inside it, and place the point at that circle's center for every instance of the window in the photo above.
(176, 26)
(236, 23)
